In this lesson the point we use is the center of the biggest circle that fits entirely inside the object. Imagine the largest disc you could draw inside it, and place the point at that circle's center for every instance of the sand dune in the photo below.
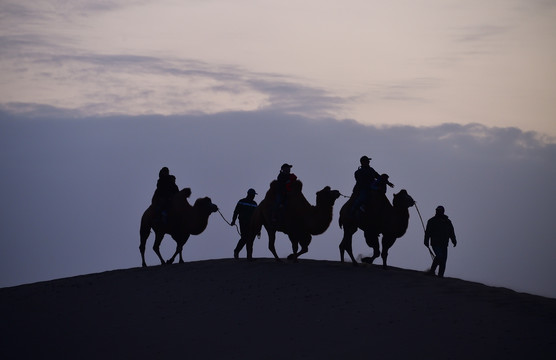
(267, 310)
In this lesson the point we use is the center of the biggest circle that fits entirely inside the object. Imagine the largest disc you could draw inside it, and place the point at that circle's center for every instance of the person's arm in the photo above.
(453, 234)
(236, 213)
(427, 235)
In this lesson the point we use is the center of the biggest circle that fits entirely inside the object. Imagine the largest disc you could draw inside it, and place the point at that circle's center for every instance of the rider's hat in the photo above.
(364, 159)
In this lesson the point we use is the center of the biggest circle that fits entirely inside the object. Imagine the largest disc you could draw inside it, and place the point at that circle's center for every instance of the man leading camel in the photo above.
(439, 231)
(244, 211)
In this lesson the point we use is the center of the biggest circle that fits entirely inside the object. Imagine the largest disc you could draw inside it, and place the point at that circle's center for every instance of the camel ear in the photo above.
(327, 188)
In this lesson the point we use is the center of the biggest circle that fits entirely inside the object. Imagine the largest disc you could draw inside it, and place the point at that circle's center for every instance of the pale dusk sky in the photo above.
(377, 62)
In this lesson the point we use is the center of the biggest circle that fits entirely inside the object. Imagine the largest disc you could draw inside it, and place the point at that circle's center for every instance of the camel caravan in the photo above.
(284, 209)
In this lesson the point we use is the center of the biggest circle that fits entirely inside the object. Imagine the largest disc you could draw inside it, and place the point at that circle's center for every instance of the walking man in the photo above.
(244, 210)
(439, 231)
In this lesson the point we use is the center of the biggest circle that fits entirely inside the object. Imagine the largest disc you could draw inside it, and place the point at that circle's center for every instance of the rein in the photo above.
(425, 231)
(422, 224)
(237, 229)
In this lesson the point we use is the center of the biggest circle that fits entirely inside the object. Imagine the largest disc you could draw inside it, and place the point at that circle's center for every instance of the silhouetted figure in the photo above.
(283, 185)
(301, 220)
(365, 177)
(244, 211)
(165, 188)
(390, 220)
(380, 183)
(187, 220)
(439, 231)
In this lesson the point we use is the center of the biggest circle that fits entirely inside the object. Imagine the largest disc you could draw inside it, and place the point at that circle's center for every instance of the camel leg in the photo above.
(295, 247)
(304, 242)
(144, 232)
(271, 241)
(181, 248)
(142, 245)
(387, 242)
(178, 250)
(156, 247)
(372, 241)
(346, 245)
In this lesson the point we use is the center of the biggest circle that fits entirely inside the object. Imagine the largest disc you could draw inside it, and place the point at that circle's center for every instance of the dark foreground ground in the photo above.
(228, 309)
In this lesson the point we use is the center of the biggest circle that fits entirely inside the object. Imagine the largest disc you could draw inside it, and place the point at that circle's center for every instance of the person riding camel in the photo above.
(379, 184)
(284, 183)
(165, 188)
(365, 177)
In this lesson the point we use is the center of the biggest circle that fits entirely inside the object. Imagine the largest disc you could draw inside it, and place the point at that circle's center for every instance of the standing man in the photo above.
(244, 210)
(439, 231)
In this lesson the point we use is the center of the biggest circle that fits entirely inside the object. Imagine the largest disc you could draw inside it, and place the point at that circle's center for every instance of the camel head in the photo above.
(205, 205)
(185, 192)
(403, 199)
(327, 196)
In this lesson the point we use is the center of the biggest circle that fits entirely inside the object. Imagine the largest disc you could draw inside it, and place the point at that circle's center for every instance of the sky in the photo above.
(453, 99)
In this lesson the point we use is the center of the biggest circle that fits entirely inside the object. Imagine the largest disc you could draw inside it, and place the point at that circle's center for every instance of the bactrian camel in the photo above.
(297, 218)
(379, 217)
(182, 221)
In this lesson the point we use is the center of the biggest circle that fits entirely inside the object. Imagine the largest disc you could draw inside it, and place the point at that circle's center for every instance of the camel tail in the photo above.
(340, 222)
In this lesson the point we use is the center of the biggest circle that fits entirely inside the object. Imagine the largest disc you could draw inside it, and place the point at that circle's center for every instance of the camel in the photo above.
(298, 219)
(183, 221)
(380, 217)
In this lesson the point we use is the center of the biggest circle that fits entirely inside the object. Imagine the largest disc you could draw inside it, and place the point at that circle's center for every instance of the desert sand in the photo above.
(234, 309)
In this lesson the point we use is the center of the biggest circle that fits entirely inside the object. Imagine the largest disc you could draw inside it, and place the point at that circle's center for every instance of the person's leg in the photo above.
(441, 257)
(241, 243)
(434, 265)
(360, 200)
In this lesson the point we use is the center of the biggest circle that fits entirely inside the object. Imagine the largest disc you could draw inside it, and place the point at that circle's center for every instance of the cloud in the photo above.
(138, 85)
(73, 190)
(479, 33)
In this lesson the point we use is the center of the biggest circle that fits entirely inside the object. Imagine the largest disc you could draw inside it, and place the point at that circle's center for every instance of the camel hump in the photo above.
(295, 187)
(403, 199)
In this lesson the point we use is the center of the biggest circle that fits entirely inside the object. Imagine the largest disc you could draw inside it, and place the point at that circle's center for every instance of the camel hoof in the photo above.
(367, 260)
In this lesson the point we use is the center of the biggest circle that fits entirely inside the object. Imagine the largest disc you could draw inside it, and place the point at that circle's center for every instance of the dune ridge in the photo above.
(225, 308)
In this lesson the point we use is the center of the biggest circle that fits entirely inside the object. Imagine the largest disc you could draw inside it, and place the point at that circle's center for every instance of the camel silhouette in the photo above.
(298, 218)
(183, 220)
(380, 217)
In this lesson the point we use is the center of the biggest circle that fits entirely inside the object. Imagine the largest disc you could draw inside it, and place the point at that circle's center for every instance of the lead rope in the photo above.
(425, 231)
(237, 229)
